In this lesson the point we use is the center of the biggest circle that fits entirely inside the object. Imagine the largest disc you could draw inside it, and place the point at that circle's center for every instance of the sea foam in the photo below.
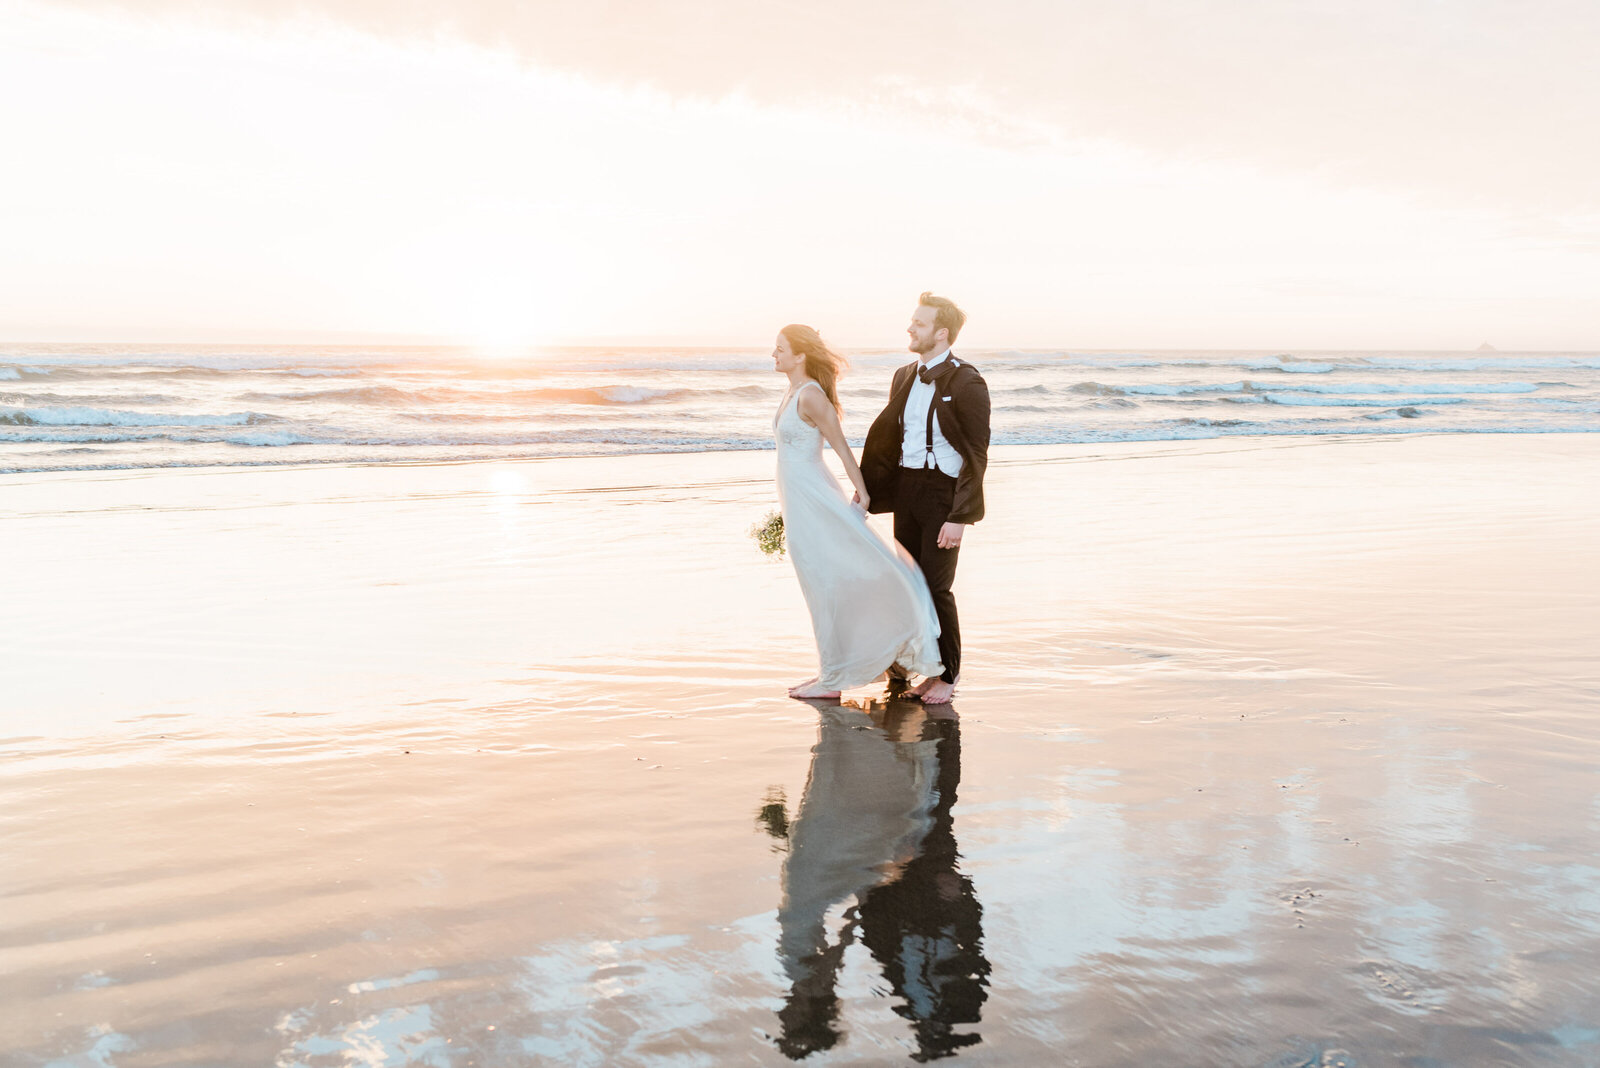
(112, 417)
(105, 407)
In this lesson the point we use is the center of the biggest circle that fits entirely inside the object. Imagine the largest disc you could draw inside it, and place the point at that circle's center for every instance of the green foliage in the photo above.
(768, 534)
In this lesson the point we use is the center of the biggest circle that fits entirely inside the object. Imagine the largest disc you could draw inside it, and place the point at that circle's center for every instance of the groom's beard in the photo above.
(922, 348)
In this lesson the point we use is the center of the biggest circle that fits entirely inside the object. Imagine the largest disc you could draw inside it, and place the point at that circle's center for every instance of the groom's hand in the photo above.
(950, 535)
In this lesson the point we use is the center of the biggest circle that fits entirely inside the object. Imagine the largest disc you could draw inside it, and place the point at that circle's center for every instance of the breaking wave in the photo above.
(110, 407)
(111, 417)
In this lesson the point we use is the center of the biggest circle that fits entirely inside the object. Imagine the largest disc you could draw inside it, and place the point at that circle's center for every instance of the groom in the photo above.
(924, 459)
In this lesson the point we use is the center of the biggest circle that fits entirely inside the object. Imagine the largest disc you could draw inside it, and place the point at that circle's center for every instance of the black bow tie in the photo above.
(928, 374)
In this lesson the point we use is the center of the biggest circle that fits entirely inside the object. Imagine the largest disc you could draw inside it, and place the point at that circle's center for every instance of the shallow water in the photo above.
(1289, 760)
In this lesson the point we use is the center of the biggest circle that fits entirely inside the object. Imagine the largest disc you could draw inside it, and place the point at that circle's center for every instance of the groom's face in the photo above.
(924, 338)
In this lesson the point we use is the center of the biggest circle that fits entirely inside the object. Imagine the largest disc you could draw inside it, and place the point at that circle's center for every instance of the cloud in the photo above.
(1487, 102)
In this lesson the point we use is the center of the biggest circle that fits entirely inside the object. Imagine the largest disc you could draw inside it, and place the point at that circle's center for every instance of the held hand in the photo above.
(950, 535)
(860, 500)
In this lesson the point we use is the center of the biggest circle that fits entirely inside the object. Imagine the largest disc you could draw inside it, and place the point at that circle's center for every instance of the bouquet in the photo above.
(768, 534)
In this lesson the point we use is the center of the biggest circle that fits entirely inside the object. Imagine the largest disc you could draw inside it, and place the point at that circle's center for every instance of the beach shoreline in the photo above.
(1270, 750)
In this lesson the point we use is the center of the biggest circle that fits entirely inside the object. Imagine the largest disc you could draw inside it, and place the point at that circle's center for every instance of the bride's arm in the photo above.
(816, 409)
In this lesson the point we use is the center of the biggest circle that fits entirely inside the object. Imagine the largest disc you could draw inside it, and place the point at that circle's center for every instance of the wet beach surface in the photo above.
(1276, 754)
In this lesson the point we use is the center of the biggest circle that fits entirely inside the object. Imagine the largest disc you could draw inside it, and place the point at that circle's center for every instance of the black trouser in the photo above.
(922, 502)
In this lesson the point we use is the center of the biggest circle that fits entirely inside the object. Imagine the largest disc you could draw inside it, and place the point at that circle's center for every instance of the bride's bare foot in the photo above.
(922, 687)
(939, 693)
(812, 691)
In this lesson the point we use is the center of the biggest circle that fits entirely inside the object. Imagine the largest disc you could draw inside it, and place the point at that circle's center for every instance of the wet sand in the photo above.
(1272, 751)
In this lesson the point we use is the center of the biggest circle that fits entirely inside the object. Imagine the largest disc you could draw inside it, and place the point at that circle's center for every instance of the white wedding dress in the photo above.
(869, 603)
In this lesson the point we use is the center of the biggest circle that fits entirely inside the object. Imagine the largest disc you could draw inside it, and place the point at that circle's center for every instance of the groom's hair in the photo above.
(945, 314)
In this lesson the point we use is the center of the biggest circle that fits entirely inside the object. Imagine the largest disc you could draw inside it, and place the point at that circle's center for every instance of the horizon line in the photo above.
(352, 339)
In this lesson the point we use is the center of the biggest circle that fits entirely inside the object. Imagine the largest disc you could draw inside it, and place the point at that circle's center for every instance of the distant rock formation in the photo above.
(1486, 347)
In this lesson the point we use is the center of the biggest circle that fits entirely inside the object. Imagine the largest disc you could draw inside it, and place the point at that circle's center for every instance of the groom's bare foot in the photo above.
(922, 687)
(939, 693)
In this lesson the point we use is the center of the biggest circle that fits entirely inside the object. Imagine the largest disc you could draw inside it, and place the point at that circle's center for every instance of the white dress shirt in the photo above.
(914, 446)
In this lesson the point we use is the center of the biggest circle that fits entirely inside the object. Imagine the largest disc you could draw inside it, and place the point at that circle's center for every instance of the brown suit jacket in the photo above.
(961, 404)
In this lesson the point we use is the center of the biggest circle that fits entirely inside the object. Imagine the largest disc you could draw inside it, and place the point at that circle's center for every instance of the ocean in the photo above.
(92, 407)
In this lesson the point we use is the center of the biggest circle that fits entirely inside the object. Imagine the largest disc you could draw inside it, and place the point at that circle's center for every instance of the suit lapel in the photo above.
(941, 382)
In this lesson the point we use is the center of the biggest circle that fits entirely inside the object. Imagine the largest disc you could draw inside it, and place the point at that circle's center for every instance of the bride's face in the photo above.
(784, 358)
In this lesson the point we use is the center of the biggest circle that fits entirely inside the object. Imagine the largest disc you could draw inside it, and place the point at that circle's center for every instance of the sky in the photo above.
(1410, 174)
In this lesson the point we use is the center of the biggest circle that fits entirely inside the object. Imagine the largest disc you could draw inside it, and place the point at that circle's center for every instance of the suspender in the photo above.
(928, 460)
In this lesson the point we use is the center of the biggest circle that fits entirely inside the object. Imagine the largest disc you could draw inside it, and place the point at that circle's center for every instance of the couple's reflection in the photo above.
(875, 832)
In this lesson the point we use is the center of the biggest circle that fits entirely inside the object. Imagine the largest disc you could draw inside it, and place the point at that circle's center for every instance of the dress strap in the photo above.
(795, 400)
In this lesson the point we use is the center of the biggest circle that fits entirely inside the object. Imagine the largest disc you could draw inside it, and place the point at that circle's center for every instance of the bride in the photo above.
(870, 606)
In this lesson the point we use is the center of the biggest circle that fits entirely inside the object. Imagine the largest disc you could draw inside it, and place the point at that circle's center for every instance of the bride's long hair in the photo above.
(822, 362)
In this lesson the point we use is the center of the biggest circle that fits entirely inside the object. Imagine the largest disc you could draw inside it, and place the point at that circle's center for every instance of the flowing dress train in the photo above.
(869, 603)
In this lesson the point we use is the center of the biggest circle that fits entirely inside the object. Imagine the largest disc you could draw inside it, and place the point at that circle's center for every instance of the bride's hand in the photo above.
(860, 500)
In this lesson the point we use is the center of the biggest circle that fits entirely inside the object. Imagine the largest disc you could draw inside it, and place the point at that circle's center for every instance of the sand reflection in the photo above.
(875, 833)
